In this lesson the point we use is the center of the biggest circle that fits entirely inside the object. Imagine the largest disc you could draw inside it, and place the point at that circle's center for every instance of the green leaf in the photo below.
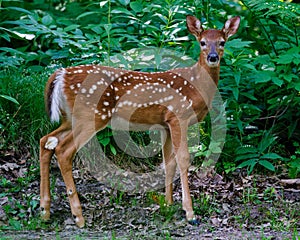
(271, 156)
(289, 77)
(113, 149)
(248, 163)
(267, 164)
(19, 10)
(47, 20)
(247, 156)
(85, 14)
(124, 2)
(215, 147)
(235, 92)
(15, 224)
(267, 141)
(238, 43)
(136, 6)
(10, 99)
(285, 59)
(277, 81)
(120, 10)
(252, 167)
(35, 68)
(105, 141)
(248, 95)
(71, 27)
(11, 50)
(237, 78)
(297, 86)
(264, 76)
(244, 150)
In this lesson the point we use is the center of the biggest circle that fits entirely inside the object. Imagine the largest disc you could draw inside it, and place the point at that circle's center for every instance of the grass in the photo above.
(205, 205)
(21, 127)
(23, 124)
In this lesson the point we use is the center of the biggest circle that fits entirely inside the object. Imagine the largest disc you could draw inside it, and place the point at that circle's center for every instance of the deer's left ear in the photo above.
(231, 26)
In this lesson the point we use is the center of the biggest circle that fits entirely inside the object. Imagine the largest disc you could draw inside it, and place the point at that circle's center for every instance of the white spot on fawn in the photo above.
(51, 143)
(171, 108)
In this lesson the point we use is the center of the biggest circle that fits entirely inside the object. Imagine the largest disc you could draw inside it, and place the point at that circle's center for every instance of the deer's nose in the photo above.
(213, 57)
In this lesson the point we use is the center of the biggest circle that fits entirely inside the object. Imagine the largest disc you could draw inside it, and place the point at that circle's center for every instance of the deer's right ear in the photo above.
(194, 25)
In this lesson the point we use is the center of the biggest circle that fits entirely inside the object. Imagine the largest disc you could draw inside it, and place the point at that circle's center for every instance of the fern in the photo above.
(271, 8)
(277, 17)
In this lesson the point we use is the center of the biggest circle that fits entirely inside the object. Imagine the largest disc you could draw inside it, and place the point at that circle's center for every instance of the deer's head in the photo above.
(212, 41)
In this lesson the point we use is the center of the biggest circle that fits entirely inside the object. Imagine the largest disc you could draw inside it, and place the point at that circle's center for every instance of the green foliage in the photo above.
(260, 82)
(259, 73)
(168, 212)
(27, 120)
(251, 155)
(22, 212)
(105, 138)
(205, 205)
(294, 163)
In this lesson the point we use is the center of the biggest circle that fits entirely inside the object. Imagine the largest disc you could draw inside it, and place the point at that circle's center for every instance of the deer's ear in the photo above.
(194, 25)
(231, 26)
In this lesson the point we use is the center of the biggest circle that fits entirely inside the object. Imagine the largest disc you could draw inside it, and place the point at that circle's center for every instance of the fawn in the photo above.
(86, 98)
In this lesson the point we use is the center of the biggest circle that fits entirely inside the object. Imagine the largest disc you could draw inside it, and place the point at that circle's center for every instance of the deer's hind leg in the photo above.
(65, 152)
(48, 144)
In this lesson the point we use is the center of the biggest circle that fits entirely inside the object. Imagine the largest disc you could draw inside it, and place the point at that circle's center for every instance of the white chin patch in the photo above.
(51, 143)
(213, 64)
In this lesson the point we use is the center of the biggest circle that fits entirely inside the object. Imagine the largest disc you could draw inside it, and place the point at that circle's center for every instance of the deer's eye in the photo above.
(202, 43)
(222, 43)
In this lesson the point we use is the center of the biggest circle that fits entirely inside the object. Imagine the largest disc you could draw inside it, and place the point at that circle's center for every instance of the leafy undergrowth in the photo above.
(236, 207)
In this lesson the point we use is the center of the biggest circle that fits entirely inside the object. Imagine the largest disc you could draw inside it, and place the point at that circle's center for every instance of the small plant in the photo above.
(250, 195)
(269, 194)
(20, 213)
(4, 182)
(165, 210)
(294, 162)
(204, 205)
(251, 155)
(116, 197)
(105, 138)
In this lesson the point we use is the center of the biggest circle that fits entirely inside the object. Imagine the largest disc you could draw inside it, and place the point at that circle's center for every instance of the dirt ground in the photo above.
(235, 207)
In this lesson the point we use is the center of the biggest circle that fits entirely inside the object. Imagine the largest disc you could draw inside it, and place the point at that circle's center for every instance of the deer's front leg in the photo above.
(170, 165)
(178, 131)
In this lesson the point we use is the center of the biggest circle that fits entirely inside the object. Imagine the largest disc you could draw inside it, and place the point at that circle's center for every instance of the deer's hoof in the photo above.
(194, 222)
(79, 222)
(45, 215)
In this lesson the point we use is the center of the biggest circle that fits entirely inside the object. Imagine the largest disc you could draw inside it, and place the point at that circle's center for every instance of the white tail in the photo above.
(87, 98)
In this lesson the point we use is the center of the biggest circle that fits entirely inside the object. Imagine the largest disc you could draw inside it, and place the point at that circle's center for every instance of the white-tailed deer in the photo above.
(86, 98)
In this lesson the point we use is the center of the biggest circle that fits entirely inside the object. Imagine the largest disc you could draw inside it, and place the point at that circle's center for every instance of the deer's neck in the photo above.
(207, 73)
